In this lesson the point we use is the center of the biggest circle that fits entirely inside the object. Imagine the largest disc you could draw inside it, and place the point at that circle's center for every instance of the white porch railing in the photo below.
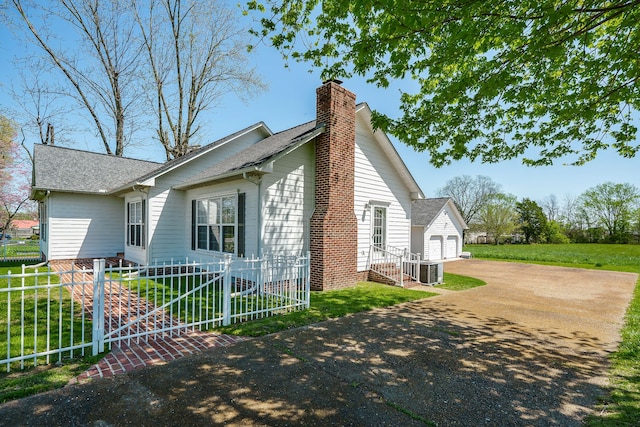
(80, 311)
(398, 265)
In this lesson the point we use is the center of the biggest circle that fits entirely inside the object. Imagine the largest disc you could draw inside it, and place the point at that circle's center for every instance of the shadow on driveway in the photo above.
(438, 361)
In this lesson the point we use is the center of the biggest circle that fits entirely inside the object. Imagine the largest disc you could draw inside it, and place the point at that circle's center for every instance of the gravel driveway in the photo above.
(530, 348)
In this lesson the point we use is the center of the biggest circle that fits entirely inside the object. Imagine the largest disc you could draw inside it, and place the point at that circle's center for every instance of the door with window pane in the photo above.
(379, 227)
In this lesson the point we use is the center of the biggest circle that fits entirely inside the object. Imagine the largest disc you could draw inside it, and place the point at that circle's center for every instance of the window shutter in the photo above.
(144, 223)
(128, 223)
(193, 225)
(241, 227)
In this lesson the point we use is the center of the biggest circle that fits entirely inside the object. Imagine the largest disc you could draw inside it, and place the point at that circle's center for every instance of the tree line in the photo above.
(606, 213)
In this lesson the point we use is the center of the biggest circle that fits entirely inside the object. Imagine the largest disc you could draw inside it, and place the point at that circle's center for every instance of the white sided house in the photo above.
(437, 229)
(333, 187)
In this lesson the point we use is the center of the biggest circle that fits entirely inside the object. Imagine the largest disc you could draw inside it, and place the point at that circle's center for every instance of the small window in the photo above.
(135, 223)
(44, 218)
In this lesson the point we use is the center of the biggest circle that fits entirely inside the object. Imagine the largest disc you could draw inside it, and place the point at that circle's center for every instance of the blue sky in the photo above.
(290, 100)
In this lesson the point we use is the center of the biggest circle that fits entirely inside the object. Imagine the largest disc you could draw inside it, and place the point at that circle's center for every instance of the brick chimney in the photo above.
(333, 242)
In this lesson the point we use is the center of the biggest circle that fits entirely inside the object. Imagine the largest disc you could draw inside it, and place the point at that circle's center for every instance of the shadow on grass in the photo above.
(20, 383)
(414, 364)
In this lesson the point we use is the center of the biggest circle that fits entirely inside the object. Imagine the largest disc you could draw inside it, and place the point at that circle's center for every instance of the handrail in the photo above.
(394, 263)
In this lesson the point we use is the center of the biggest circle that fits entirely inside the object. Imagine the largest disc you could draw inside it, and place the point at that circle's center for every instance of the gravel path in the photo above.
(530, 348)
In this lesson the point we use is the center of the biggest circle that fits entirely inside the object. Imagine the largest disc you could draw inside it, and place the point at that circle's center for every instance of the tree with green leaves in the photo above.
(611, 206)
(553, 233)
(537, 80)
(499, 218)
(532, 219)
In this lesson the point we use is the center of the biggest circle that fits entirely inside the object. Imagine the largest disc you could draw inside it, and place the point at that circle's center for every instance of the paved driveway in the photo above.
(528, 349)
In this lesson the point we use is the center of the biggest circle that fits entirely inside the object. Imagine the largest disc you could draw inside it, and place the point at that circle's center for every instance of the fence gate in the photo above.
(106, 305)
(173, 298)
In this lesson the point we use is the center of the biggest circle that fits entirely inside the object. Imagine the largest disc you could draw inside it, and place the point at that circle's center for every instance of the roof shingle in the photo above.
(424, 211)
(69, 170)
(257, 154)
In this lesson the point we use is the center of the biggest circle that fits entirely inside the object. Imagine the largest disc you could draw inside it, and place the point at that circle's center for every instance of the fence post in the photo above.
(260, 275)
(98, 306)
(226, 291)
(402, 271)
(307, 281)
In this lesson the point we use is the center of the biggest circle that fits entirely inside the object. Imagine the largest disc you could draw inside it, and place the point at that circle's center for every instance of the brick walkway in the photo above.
(131, 354)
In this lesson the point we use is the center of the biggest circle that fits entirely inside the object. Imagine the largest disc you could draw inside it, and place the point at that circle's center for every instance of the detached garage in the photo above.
(436, 229)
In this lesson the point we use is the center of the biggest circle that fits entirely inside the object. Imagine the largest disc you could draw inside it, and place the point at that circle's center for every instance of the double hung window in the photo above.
(135, 223)
(218, 224)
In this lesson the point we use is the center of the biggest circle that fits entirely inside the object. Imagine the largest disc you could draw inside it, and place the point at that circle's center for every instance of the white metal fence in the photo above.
(70, 313)
(22, 250)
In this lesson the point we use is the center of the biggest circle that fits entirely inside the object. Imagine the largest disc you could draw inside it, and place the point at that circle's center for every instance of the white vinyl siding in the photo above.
(169, 210)
(417, 241)
(85, 226)
(376, 179)
(287, 202)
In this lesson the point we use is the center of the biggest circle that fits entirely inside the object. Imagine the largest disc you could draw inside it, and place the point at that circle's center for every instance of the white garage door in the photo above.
(435, 247)
(452, 247)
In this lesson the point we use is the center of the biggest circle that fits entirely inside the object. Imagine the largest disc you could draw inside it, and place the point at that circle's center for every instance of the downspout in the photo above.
(257, 180)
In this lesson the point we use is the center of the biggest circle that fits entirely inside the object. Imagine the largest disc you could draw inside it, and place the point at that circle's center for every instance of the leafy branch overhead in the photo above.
(537, 80)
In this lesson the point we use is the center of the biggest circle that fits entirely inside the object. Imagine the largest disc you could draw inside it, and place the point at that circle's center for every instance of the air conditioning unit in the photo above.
(431, 273)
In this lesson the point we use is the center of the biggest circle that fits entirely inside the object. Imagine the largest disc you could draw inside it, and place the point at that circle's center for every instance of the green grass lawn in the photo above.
(455, 282)
(19, 249)
(622, 406)
(606, 257)
(328, 305)
(39, 311)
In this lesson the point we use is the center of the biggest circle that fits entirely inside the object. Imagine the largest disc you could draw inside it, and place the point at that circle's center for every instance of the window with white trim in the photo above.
(218, 224)
(379, 227)
(135, 223)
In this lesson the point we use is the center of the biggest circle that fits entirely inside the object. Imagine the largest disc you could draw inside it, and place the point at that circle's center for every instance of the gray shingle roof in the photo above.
(424, 211)
(69, 170)
(177, 162)
(257, 154)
